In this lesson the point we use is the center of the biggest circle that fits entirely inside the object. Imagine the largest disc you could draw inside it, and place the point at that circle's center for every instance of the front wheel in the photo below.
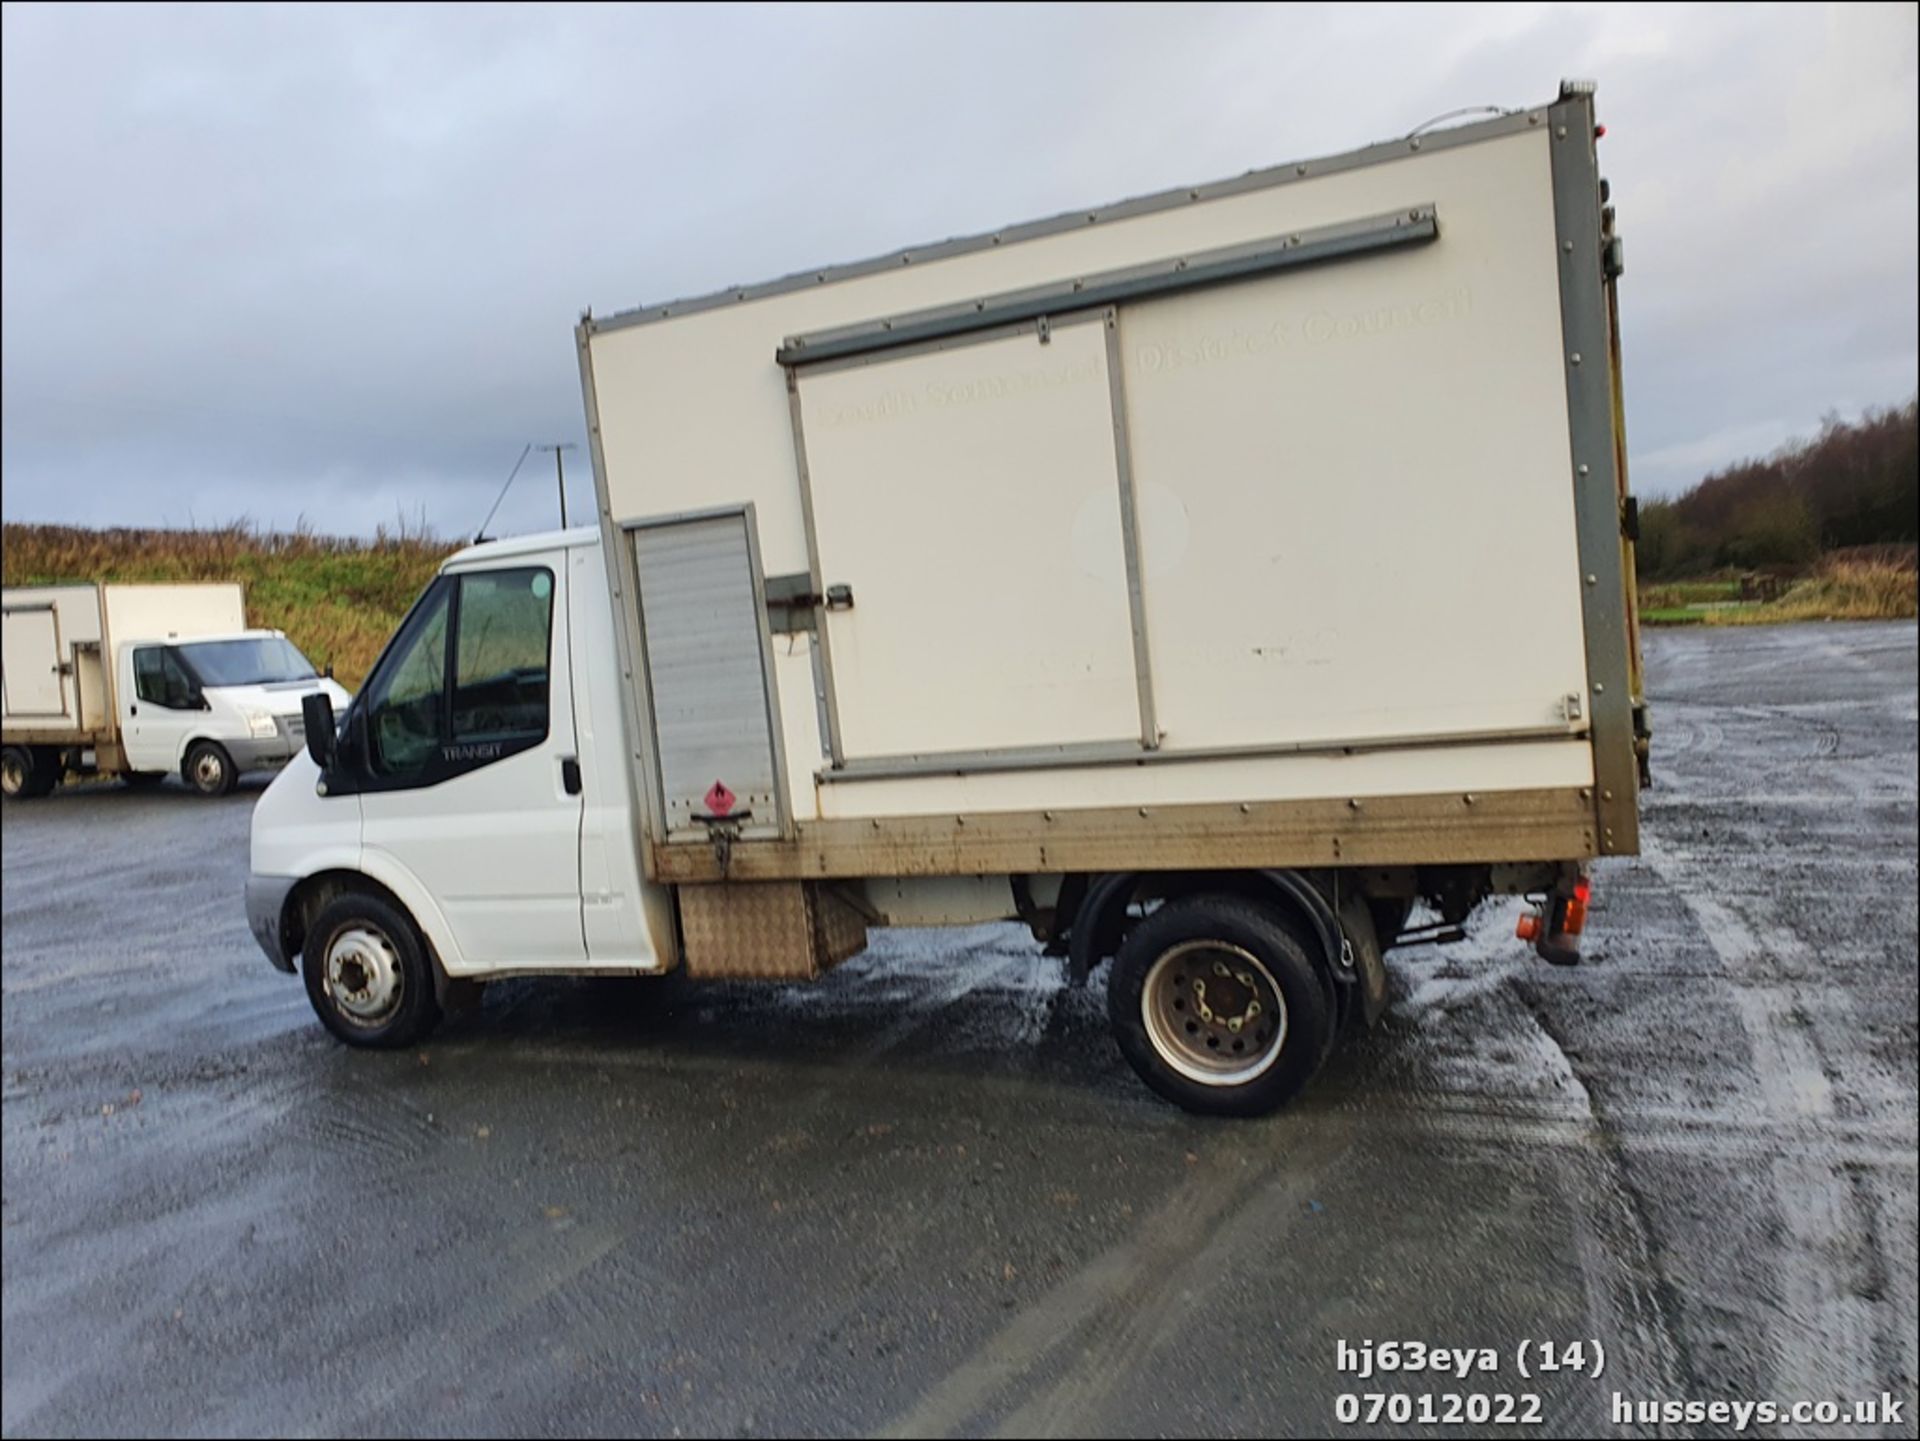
(209, 769)
(367, 973)
(1219, 1006)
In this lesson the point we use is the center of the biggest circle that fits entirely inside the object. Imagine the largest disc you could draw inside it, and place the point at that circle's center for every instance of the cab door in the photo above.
(464, 752)
(164, 709)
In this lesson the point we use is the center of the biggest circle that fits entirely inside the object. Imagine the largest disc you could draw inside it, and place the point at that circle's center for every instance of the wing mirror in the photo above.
(322, 734)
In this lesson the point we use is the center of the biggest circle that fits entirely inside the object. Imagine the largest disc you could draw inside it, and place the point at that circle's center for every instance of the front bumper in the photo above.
(266, 903)
(259, 755)
(265, 753)
(269, 753)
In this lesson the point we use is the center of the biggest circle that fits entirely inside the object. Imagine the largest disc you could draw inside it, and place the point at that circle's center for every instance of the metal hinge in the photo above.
(1044, 330)
(1571, 705)
(1613, 258)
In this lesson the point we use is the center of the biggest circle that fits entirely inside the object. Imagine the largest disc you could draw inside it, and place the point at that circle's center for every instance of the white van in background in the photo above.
(215, 708)
(143, 680)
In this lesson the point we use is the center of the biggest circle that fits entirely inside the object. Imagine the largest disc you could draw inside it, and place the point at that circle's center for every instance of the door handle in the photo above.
(837, 597)
(570, 775)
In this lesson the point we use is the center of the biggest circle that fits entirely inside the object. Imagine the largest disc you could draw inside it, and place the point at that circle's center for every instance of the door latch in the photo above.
(838, 597)
(570, 775)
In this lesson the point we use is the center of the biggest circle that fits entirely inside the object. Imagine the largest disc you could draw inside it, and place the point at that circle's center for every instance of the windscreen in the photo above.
(260, 660)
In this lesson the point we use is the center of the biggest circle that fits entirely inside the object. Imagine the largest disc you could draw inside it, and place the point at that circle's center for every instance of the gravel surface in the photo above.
(925, 1196)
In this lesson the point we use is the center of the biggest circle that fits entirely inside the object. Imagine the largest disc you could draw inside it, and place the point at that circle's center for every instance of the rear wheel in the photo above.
(209, 769)
(28, 772)
(367, 973)
(1219, 1006)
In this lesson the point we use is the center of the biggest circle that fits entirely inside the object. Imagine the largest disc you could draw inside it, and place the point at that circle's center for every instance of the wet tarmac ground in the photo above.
(925, 1196)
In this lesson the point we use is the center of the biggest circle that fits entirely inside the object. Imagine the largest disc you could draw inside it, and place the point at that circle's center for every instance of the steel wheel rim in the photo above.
(208, 771)
(363, 976)
(13, 776)
(1214, 1013)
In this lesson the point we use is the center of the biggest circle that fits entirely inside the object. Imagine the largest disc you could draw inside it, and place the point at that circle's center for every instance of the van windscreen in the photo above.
(260, 660)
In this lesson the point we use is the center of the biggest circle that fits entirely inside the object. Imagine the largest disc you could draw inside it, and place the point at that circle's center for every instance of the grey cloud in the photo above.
(326, 261)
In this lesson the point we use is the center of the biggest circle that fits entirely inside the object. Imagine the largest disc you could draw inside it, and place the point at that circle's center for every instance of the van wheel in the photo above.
(1219, 1006)
(367, 973)
(28, 772)
(209, 769)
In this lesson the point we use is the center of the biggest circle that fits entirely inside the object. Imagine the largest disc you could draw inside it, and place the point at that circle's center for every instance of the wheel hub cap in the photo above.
(1214, 1013)
(363, 975)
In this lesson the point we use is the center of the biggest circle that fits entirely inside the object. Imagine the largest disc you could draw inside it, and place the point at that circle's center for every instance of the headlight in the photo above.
(261, 725)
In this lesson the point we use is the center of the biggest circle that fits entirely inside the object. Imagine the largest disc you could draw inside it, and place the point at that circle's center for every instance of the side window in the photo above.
(149, 679)
(500, 672)
(406, 700)
(159, 678)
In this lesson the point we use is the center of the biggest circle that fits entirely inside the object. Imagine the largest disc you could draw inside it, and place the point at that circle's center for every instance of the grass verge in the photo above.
(1842, 591)
(337, 599)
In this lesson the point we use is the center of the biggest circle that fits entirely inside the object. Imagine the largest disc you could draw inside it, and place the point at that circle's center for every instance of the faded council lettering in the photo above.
(1317, 327)
(893, 403)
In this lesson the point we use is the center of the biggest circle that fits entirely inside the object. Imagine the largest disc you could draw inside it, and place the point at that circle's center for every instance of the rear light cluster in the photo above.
(1574, 919)
(1552, 931)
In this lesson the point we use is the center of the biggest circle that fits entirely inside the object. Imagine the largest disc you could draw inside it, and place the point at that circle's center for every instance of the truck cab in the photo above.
(477, 787)
(214, 707)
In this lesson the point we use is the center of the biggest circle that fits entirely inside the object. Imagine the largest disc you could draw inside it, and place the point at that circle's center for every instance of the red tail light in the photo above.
(1575, 919)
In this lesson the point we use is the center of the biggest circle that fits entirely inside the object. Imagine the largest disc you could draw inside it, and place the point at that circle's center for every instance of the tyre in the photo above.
(209, 769)
(142, 780)
(1220, 1006)
(367, 973)
(28, 772)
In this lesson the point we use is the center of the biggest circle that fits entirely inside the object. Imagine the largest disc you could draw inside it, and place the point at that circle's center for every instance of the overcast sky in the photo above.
(272, 263)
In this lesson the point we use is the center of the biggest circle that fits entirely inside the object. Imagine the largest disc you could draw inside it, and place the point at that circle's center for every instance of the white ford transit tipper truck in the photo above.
(142, 681)
(1202, 580)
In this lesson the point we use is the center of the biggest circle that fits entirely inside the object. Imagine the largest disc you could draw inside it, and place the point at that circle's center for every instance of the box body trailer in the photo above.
(1202, 580)
(140, 681)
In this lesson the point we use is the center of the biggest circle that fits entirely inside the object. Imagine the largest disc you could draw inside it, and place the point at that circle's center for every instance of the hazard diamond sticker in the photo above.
(719, 800)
